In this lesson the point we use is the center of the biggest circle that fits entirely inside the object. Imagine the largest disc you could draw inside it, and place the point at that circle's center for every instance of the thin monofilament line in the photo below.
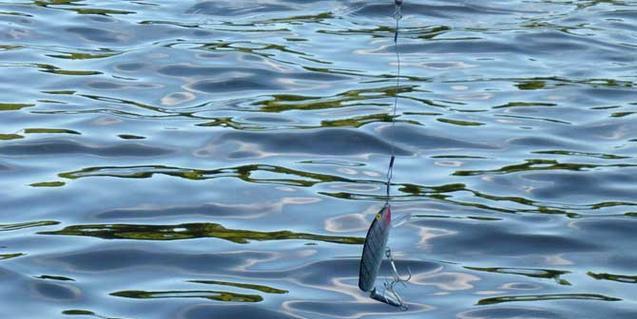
(390, 168)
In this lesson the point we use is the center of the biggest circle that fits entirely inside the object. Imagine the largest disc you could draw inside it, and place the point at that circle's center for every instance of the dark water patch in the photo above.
(523, 104)
(268, 119)
(510, 313)
(458, 157)
(132, 66)
(78, 312)
(212, 210)
(540, 142)
(423, 139)
(60, 92)
(235, 9)
(131, 137)
(209, 311)
(111, 259)
(470, 46)
(606, 183)
(459, 122)
(235, 84)
(56, 291)
(606, 93)
(433, 10)
(52, 147)
(190, 231)
(104, 85)
(519, 298)
(58, 278)
(95, 34)
(323, 142)
(344, 309)
(244, 74)
(225, 296)
(553, 41)
(616, 129)
(623, 227)
(532, 118)
(488, 239)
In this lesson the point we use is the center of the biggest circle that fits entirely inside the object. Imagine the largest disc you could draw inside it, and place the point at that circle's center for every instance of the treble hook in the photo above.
(396, 277)
(390, 295)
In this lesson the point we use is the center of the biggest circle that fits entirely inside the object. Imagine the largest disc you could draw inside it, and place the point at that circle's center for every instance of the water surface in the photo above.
(223, 159)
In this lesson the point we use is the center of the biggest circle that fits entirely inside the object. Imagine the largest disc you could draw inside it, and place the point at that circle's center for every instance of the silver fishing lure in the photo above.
(374, 251)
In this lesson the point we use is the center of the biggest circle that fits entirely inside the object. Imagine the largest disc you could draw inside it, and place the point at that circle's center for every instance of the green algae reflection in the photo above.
(246, 173)
(194, 230)
(538, 165)
(18, 226)
(528, 272)
(260, 288)
(207, 294)
(48, 184)
(13, 106)
(497, 300)
(613, 277)
(7, 137)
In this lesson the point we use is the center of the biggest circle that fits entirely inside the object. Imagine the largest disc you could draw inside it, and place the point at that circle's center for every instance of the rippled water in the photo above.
(223, 159)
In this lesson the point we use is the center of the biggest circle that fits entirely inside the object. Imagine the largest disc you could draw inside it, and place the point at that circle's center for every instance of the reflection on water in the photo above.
(207, 159)
(188, 231)
(496, 300)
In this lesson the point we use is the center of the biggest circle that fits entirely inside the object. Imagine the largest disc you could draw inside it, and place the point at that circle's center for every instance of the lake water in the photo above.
(223, 159)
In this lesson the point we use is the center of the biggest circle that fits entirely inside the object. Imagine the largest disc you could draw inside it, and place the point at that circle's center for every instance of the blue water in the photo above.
(223, 159)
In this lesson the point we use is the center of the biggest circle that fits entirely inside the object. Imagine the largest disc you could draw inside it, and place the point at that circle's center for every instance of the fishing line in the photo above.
(390, 169)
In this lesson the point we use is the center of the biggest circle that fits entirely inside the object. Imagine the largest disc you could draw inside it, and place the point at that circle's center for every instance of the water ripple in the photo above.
(224, 158)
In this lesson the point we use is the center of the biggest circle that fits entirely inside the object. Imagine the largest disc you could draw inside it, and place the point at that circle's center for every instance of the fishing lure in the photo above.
(375, 248)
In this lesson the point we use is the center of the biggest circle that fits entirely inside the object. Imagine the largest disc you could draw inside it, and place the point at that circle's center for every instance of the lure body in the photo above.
(374, 249)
